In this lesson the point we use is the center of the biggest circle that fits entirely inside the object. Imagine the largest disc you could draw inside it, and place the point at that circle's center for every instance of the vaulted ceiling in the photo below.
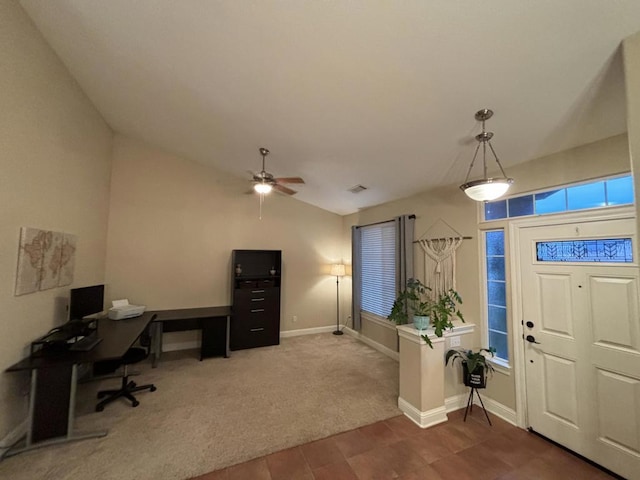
(371, 92)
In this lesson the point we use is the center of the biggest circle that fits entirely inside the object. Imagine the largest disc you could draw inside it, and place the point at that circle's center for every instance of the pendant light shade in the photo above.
(487, 188)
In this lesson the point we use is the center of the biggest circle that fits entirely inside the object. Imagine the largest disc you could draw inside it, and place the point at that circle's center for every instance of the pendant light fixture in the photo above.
(487, 188)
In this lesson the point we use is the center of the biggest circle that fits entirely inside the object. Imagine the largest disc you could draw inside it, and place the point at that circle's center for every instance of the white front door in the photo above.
(581, 333)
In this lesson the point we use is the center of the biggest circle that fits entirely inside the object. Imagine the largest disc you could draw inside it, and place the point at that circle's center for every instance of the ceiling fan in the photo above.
(263, 182)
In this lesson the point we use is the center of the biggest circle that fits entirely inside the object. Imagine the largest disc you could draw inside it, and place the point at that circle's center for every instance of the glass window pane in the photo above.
(378, 268)
(590, 195)
(498, 341)
(551, 202)
(495, 210)
(612, 250)
(620, 191)
(495, 242)
(496, 293)
(495, 268)
(498, 318)
(521, 206)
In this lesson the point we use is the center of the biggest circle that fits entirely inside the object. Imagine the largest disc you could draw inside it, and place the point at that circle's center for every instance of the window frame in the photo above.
(566, 190)
(366, 313)
(502, 365)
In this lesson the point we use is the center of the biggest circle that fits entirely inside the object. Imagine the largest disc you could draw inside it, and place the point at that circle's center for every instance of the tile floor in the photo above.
(398, 449)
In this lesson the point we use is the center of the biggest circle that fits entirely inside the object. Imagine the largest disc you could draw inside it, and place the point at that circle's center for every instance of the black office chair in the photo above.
(128, 388)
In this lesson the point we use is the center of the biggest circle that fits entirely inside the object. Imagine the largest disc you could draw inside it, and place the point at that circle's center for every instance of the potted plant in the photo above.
(474, 365)
(418, 301)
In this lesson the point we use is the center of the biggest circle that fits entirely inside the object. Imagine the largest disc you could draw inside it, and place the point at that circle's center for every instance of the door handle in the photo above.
(531, 339)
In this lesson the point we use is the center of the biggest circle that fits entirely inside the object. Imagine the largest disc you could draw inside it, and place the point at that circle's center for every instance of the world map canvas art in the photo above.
(45, 260)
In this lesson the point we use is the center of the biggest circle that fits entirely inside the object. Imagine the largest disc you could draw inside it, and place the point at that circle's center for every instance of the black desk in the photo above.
(54, 378)
(213, 321)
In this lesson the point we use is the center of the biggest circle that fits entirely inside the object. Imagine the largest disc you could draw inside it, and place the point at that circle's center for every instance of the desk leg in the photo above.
(69, 436)
(156, 334)
(226, 353)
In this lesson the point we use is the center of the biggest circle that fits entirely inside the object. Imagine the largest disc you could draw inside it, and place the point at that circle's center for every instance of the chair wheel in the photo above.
(153, 388)
(99, 408)
(135, 404)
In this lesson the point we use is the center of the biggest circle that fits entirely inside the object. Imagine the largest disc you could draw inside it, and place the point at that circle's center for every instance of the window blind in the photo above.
(378, 274)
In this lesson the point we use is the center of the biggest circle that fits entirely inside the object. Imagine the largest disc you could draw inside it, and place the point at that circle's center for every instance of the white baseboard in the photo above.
(13, 436)
(174, 346)
(422, 419)
(456, 402)
(499, 410)
(306, 331)
(375, 345)
(188, 345)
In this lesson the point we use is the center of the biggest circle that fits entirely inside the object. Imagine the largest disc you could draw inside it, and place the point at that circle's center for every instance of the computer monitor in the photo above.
(85, 301)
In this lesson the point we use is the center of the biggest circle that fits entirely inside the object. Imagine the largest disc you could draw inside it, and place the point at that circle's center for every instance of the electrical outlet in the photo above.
(294, 318)
(454, 341)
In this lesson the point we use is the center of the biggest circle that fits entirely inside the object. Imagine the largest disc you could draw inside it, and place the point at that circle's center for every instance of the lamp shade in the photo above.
(262, 187)
(338, 270)
(486, 189)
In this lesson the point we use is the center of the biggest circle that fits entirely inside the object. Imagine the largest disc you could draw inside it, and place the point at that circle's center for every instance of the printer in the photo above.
(122, 309)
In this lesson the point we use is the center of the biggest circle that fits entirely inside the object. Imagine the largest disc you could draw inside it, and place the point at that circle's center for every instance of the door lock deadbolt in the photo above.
(529, 324)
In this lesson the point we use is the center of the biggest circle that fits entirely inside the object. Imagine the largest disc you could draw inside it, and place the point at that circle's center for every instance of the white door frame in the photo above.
(515, 227)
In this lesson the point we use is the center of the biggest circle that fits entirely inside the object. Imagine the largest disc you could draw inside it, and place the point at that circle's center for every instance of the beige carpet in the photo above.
(219, 412)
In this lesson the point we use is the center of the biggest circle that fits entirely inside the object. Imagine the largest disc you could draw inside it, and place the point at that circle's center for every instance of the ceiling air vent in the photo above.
(357, 189)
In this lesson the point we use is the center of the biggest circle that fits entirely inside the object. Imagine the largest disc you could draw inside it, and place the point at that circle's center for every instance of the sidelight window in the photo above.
(496, 293)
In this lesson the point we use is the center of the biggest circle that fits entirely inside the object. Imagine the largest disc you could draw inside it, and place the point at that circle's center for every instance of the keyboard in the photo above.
(85, 344)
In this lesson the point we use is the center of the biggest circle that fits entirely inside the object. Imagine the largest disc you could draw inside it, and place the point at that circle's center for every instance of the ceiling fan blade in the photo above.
(289, 180)
(283, 189)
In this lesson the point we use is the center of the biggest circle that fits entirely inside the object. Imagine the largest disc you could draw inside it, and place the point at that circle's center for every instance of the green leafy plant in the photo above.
(418, 300)
(472, 359)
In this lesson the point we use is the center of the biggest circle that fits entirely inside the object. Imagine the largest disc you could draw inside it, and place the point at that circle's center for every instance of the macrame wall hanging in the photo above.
(440, 256)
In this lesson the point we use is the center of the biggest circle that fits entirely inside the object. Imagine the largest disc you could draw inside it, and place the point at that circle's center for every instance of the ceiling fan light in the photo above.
(262, 188)
(486, 189)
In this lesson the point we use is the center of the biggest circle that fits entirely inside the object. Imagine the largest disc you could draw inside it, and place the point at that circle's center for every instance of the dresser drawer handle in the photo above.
(257, 291)
(257, 299)
(256, 310)
(256, 329)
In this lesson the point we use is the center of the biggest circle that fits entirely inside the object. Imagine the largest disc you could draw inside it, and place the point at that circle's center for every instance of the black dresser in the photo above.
(256, 276)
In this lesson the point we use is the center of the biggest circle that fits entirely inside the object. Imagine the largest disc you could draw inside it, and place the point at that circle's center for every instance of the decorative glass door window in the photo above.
(610, 250)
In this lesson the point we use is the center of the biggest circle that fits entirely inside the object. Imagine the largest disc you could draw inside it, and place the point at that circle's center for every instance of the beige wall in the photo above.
(631, 52)
(606, 157)
(55, 163)
(174, 222)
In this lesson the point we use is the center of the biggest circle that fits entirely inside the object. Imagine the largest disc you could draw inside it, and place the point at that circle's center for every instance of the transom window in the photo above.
(611, 250)
(597, 194)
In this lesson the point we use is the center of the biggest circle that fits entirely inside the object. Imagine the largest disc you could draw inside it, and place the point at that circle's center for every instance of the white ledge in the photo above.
(409, 332)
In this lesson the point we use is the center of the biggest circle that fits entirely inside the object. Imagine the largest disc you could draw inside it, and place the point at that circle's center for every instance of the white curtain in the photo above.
(440, 263)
